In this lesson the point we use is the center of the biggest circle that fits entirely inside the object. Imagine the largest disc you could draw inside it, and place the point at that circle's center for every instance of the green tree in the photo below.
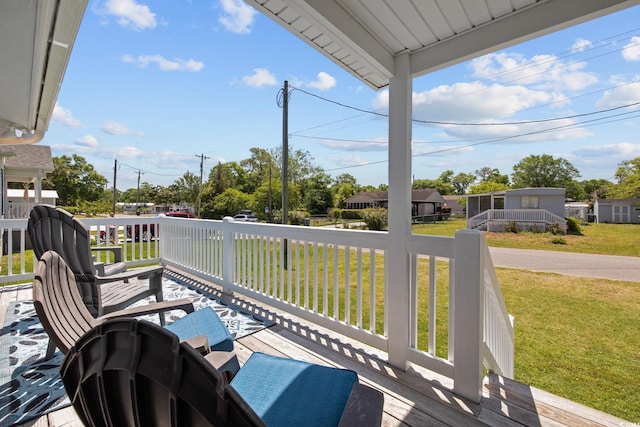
(487, 187)
(187, 188)
(628, 176)
(258, 168)
(344, 186)
(318, 197)
(543, 171)
(461, 182)
(442, 186)
(487, 174)
(75, 180)
(597, 188)
(228, 203)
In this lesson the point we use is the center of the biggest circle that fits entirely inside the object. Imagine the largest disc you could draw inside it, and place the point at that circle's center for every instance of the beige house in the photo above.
(27, 165)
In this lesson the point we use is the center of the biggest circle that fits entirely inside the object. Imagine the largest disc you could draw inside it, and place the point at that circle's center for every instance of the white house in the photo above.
(617, 211)
(531, 208)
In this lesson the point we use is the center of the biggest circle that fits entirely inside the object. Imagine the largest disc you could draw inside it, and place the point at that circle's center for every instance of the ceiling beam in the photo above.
(526, 24)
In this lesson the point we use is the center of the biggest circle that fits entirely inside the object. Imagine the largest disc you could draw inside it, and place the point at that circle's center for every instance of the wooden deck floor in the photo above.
(414, 398)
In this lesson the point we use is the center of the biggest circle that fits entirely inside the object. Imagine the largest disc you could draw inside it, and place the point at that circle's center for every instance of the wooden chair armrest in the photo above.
(153, 308)
(200, 343)
(226, 362)
(99, 268)
(116, 250)
(364, 407)
(140, 273)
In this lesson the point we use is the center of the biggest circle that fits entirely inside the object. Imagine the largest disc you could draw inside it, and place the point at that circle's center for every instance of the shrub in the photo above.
(298, 217)
(376, 219)
(573, 226)
(558, 241)
(511, 226)
(555, 228)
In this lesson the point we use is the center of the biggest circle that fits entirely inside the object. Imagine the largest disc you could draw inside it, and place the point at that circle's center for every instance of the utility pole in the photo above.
(202, 159)
(115, 192)
(138, 194)
(285, 164)
(285, 152)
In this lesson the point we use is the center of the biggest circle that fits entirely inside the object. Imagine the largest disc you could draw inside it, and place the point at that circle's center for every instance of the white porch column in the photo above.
(397, 297)
(468, 309)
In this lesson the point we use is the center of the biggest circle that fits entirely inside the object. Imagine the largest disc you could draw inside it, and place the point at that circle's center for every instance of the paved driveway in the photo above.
(572, 264)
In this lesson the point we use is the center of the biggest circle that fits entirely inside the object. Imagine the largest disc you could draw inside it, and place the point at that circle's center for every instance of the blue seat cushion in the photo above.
(287, 392)
(204, 322)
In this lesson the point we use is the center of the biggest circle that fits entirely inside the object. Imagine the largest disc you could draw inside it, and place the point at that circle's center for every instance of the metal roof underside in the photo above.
(364, 36)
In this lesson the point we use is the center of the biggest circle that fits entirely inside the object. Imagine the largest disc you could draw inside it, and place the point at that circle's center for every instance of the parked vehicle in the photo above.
(148, 232)
(179, 214)
(245, 217)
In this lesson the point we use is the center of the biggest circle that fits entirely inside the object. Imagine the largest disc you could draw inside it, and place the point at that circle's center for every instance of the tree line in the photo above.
(255, 183)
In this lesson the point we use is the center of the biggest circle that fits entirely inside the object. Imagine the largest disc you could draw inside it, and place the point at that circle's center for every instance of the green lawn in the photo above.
(608, 239)
(575, 337)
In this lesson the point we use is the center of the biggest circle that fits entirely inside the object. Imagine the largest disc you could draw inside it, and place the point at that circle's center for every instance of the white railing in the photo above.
(525, 216)
(338, 279)
(107, 231)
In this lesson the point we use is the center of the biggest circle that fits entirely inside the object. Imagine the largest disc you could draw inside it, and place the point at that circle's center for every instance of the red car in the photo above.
(179, 214)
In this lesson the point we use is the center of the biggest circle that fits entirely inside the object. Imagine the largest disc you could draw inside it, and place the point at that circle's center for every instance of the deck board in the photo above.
(417, 397)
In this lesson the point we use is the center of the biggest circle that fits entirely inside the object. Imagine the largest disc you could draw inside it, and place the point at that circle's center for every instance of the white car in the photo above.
(245, 217)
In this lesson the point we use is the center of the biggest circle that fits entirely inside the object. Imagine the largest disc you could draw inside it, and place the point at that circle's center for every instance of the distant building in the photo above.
(27, 165)
(617, 211)
(531, 208)
(423, 202)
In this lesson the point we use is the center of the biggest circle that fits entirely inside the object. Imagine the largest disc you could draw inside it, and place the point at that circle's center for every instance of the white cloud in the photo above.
(623, 150)
(469, 102)
(237, 16)
(324, 82)
(543, 72)
(115, 128)
(64, 117)
(580, 45)
(350, 160)
(260, 77)
(163, 64)
(624, 94)
(379, 144)
(87, 141)
(130, 14)
(631, 51)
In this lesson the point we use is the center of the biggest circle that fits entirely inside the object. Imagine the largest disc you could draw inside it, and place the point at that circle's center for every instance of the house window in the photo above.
(529, 202)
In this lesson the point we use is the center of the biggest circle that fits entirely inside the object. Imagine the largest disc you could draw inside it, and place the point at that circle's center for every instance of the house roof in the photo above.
(28, 157)
(424, 195)
(365, 37)
(618, 202)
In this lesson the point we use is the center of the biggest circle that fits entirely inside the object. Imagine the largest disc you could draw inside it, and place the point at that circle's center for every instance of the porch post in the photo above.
(397, 290)
(228, 255)
(468, 306)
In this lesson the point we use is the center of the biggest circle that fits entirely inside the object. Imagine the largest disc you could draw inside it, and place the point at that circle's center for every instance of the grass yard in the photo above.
(606, 239)
(577, 337)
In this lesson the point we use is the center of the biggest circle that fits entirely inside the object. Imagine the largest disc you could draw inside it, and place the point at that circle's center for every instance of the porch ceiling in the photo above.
(36, 37)
(364, 36)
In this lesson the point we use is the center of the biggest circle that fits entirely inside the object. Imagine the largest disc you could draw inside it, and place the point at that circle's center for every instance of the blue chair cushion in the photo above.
(287, 392)
(204, 322)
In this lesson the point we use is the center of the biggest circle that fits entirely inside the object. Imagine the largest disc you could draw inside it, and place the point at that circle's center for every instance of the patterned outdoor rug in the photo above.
(30, 386)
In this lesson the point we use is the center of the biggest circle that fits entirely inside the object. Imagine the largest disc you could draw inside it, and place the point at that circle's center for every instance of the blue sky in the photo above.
(157, 84)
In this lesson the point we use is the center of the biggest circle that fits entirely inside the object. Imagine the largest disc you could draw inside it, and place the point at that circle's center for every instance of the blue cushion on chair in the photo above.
(287, 392)
(204, 322)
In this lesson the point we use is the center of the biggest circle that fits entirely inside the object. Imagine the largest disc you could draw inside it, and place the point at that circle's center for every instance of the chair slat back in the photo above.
(149, 378)
(53, 229)
(58, 302)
